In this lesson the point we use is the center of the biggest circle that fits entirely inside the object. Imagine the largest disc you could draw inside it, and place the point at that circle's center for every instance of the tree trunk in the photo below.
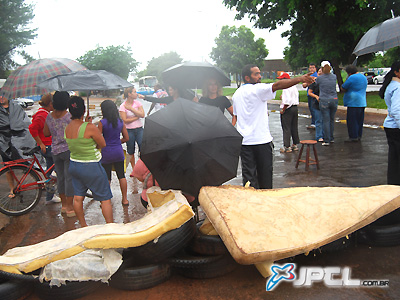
(238, 82)
(338, 72)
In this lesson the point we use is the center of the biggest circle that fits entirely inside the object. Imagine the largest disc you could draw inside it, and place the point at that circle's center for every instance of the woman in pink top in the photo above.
(131, 112)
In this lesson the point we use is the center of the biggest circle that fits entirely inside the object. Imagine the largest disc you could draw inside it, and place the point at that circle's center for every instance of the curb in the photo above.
(340, 107)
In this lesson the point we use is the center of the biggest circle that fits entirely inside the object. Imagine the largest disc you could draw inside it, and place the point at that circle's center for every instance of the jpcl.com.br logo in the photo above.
(331, 276)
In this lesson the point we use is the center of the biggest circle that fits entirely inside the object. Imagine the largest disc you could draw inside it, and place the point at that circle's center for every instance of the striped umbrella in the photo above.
(22, 82)
(381, 37)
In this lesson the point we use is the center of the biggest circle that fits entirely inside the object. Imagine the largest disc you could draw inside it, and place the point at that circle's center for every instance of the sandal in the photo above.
(71, 214)
(11, 195)
(125, 204)
(63, 210)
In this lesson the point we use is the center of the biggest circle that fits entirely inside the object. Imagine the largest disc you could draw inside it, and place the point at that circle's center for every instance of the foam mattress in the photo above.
(268, 225)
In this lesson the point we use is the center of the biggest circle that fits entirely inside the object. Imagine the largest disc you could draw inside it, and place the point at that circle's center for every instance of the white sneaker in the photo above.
(55, 199)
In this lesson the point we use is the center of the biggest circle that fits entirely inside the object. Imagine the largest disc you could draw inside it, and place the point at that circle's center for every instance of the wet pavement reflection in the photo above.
(355, 165)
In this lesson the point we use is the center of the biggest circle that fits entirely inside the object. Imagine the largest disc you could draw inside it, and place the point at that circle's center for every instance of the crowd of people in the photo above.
(85, 155)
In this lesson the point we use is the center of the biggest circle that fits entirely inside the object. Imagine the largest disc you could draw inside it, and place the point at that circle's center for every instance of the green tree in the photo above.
(391, 56)
(377, 62)
(158, 64)
(236, 47)
(15, 18)
(115, 59)
(321, 30)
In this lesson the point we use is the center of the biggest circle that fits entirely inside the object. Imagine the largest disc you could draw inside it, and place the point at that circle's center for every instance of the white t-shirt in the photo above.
(250, 107)
(290, 96)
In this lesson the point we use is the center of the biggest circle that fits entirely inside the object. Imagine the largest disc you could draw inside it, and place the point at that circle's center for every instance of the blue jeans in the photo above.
(355, 122)
(328, 109)
(318, 125)
(312, 109)
(135, 135)
(49, 162)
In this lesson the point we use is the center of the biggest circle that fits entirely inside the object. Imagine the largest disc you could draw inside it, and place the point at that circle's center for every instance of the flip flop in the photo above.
(11, 195)
(63, 210)
(125, 204)
(71, 214)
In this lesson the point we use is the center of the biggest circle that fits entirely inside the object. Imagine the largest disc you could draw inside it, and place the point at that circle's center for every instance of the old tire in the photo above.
(206, 244)
(140, 277)
(23, 277)
(201, 267)
(167, 245)
(15, 290)
(381, 236)
(69, 291)
(339, 244)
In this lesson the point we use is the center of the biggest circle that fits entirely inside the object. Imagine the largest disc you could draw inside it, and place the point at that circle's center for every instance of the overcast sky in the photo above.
(70, 28)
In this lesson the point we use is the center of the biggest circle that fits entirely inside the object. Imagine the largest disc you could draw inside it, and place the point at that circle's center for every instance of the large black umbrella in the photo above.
(193, 75)
(381, 37)
(87, 80)
(188, 145)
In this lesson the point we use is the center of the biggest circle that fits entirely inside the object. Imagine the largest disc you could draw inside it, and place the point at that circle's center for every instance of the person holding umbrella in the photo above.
(212, 95)
(251, 111)
(131, 112)
(390, 91)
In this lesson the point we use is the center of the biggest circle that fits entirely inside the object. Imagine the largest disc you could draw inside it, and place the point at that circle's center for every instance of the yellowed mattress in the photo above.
(170, 215)
(268, 225)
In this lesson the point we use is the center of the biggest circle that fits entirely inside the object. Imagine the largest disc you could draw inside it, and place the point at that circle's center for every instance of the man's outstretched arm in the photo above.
(287, 83)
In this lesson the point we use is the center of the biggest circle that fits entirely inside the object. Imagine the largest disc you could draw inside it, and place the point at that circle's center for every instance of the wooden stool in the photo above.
(308, 158)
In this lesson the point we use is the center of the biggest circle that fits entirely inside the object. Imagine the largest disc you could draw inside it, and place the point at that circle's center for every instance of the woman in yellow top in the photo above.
(85, 142)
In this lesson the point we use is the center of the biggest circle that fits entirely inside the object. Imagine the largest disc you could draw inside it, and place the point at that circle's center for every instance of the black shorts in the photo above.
(119, 168)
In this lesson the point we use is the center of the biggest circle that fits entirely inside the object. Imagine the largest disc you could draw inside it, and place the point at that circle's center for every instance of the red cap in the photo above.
(284, 76)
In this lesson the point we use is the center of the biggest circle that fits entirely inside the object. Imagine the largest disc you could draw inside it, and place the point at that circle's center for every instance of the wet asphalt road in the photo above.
(360, 164)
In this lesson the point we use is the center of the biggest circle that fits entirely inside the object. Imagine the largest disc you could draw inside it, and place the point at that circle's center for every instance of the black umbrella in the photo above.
(87, 80)
(188, 145)
(381, 37)
(193, 75)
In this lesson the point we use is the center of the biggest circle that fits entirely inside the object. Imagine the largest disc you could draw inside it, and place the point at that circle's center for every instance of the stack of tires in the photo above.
(384, 232)
(205, 257)
(145, 266)
(184, 250)
(14, 286)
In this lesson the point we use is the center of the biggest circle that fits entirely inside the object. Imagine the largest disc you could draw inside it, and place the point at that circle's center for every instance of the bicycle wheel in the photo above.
(26, 198)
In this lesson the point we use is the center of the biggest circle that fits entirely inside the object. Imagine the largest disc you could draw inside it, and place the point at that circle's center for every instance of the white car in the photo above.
(380, 78)
(24, 102)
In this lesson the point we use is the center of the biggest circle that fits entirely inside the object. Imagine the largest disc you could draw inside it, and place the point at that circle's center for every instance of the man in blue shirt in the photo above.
(355, 98)
(312, 69)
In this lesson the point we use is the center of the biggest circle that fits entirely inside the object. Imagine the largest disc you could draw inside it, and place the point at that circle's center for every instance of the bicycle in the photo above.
(22, 182)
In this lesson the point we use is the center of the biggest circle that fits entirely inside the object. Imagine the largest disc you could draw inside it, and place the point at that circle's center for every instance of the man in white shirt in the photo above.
(250, 109)
(289, 116)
